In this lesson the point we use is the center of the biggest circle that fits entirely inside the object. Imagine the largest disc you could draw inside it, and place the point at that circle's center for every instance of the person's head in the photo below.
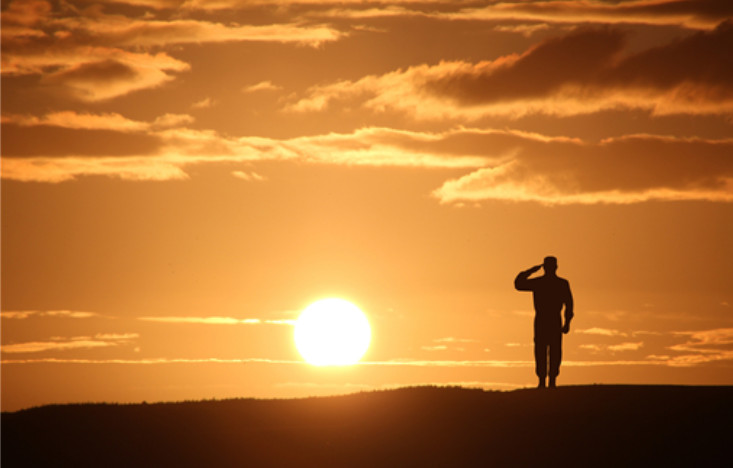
(550, 265)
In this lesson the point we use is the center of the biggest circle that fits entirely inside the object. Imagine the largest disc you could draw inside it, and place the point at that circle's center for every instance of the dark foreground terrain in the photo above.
(431, 427)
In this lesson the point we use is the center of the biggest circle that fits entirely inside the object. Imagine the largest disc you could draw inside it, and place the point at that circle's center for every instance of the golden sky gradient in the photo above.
(181, 178)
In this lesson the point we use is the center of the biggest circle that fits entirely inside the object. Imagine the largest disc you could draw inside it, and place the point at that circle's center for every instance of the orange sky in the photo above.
(181, 178)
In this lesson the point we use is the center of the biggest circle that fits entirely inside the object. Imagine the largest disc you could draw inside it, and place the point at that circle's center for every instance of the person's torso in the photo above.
(550, 293)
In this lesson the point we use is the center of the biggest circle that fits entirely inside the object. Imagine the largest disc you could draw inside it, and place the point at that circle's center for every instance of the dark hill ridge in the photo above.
(424, 426)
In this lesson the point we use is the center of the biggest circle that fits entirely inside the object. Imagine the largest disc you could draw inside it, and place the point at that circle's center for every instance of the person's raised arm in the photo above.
(569, 312)
(521, 282)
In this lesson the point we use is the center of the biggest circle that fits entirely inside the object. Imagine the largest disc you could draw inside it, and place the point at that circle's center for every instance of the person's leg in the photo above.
(555, 344)
(540, 359)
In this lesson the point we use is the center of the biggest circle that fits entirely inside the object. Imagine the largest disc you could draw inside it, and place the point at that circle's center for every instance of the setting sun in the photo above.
(332, 332)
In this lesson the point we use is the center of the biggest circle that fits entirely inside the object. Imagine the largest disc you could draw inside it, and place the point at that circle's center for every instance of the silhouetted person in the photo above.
(550, 294)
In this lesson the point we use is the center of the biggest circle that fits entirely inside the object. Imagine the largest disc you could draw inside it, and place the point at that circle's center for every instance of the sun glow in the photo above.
(332, 332)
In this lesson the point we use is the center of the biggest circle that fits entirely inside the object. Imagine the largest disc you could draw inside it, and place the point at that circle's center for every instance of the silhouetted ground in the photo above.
(592, 426)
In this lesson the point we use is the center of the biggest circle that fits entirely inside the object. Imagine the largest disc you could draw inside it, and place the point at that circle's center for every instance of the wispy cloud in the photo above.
(261, 86)
(600, 331)
(100, 73)
(203, 104)
(696, 14)
(525, 30)
(628, 346)
(101, 340)
(692, 75)
(249, 176)
(88, 121)
(96, 56)
(623, 170)
(649, 361)
(502, 363)
(449, 343)
(434, 348)
(611, 349)
(209, 5)
(217, 320)
(509, 165)
(699, 347)
(117, 336)
(703, 347)
(153, 361)
(591, 347)
(452, 339)
(128, 32)
(172, 149)
(24, 314)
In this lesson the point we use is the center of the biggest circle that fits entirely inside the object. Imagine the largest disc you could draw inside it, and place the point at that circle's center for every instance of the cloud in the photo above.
(703, 347)
(508, 165)
(55, 170)
(216, 320)
(172, 149)
(171, 120)
(626, 346)
(505, 364)
(434, 348)
(623, 170)
(153, 361)
(203, 104)
(448, 343)
(24, 314)
(107, 121)
(261, 86)
(605, 348)
(591, 347)
(26, 13)
(363, 12)
(585, 71)
(216, 5)
(451, 339)
(96, 56)
(651, 361)
(525, 30)
(88, 72)
(108, 78)
(117, 336)
(70, 27)
(699, 347)
(601, 331)
(101, 340)
(696, 14)
(249, 176)
(39, 346)
(128, 32)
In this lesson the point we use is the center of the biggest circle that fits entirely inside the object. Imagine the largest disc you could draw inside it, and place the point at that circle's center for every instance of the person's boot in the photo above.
(542, 383)
(552, 382)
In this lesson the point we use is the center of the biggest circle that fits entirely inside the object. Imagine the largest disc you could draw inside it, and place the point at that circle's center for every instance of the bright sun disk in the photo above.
(332, 332)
